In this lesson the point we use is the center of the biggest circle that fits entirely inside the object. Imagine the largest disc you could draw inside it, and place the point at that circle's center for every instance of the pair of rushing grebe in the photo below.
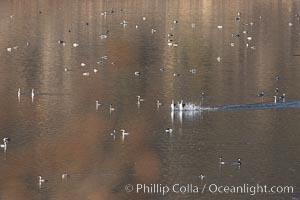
(32, 93)
(111, 108)
(180, 105)
(280, 98)
(123, 133)
(42, 180)
(238, 162)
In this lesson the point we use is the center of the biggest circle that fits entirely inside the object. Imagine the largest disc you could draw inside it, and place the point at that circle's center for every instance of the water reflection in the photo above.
(58, 130)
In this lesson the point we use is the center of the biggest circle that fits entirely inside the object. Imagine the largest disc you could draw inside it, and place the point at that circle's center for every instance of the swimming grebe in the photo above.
(181, 105)
(158, 103)
(239, 162)
(102, 37)
(114, 134)
(41, 181)
(202, 95)
(139, 99)
(124, 23)
(4, 145)
(137, 73)
(32, 93)
(193, 71)
(97, 105)
(202, 177)
(65, 176)
(111, 108)
(221, 161)
(169, 130)
(19, 92)
(261, 94)
(275, 99)
(124, 134)
(282, 97)
(173, 105)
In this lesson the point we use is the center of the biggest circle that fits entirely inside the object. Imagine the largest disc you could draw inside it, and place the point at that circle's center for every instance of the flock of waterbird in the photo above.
(171, 43)
(41, 180)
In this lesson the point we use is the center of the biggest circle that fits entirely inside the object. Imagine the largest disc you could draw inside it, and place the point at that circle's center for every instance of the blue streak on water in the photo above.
(294, 104)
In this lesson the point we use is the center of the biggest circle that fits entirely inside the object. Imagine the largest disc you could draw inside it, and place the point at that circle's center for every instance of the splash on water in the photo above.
(191, 107)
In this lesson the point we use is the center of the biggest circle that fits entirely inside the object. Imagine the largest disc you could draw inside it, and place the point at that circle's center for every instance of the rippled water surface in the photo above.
(60, 131)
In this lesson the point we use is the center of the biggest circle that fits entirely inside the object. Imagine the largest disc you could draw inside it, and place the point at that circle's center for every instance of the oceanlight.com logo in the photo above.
(177, 188)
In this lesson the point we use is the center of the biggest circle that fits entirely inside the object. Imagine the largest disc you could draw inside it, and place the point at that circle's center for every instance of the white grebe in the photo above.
(97, 105)
(139, 99)
(19, 92)
(111, 108)
(181, 105)
(4, 145)
(137, 73)
(124, 134)
(65, 176)
(41, 181)
(169, 130)
(158, 103)
(275, 99)
(261, 94)
(32, 95)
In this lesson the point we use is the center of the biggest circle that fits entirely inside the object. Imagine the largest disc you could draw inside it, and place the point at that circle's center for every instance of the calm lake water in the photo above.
(60, 131)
